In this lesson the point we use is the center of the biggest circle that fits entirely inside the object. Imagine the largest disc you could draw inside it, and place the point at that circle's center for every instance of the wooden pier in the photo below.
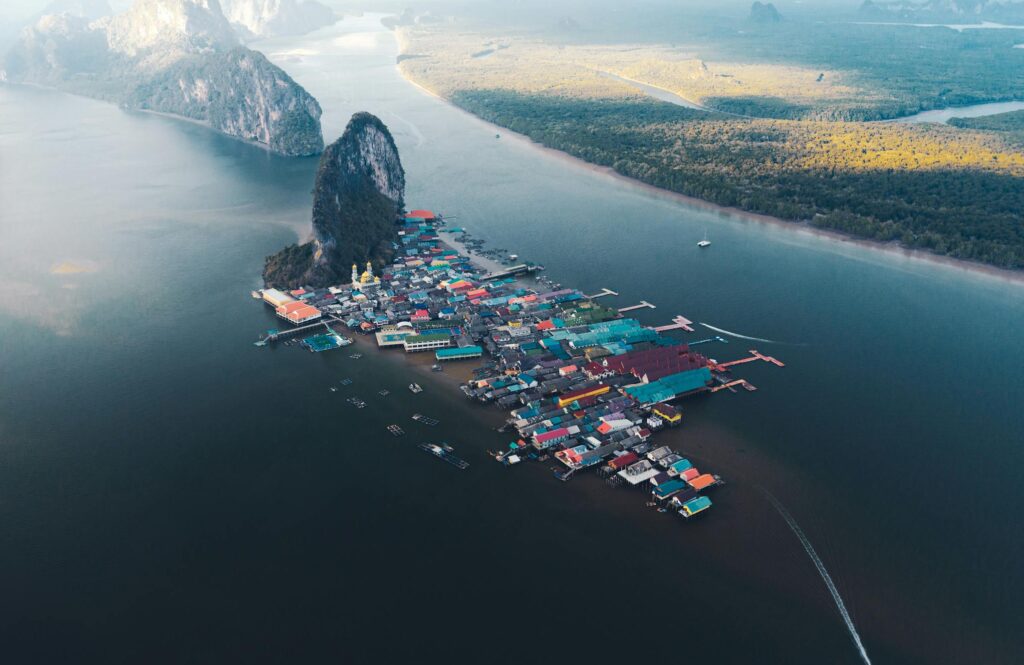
(604, 292)
(678, 323)
(731, 386)
(643, 303)
(754, 355)
(282, 334)
(520, 269)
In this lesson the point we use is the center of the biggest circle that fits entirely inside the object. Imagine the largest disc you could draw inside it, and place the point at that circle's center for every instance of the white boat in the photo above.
(415, 387)
(705, 242)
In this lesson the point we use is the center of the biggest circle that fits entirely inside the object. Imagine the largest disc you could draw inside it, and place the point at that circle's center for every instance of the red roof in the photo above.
(623, 460)
(657, 362)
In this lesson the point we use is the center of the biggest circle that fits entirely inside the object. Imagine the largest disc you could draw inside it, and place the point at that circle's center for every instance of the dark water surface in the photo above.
(170, 493)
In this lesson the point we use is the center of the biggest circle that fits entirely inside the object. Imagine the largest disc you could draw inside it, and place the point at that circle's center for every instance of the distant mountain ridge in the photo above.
(964, 11)
(174, 56)
(252, 19)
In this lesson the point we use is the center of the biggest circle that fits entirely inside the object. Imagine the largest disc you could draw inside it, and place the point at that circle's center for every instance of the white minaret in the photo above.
(355, 276)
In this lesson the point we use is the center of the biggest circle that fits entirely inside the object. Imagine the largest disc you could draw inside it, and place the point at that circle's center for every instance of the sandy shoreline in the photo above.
(891, 248)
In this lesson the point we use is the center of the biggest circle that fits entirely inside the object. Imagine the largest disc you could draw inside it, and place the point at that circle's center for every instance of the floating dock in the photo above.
(604, 292)
(445, 454)
(426, 420)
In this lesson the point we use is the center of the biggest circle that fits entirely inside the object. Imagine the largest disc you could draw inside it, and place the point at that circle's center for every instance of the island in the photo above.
(359, 190)
(583, 385)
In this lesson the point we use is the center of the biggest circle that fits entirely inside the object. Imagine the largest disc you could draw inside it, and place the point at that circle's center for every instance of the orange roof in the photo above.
(702, 481)
(422, 214)
(297, 311)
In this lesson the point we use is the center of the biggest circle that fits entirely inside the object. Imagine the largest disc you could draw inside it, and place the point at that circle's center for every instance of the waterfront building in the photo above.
(459, 353)
(298, 312)
(671, 386)
(276, 298)
(426, 342)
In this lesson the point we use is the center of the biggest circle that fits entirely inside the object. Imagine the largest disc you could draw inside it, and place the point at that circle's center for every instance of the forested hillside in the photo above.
(770, 120)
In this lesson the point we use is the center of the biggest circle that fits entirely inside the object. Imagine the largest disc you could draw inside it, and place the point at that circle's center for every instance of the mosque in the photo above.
(366, 282)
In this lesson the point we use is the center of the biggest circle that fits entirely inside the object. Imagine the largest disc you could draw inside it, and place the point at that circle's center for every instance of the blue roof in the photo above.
(459, 352)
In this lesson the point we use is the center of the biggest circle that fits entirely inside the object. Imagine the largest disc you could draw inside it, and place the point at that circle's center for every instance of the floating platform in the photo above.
(325, 341)
(426, 420)
(444, 453)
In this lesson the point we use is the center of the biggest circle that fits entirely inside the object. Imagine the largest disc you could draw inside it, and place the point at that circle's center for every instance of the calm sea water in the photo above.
(170, 493)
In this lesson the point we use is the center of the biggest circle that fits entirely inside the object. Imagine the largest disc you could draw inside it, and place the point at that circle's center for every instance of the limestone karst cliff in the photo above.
(174, 56)
(276, 18)
(359, 191)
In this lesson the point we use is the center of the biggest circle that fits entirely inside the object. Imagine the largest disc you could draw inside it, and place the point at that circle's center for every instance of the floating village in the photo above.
(585, 386)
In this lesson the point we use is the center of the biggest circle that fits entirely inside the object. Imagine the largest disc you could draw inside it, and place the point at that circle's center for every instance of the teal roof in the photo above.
(694, 506)
(670, 386)
(668, 488)
(459, 352)
(681, 465)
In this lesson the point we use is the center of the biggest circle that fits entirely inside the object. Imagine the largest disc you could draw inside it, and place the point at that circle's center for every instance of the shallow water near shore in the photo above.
(171, 492)
(974, 111)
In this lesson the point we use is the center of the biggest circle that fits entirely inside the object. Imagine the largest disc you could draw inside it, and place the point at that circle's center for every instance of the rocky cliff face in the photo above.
(239, 93)
(360, 187)
(764, 13)
(276, 18)
(173, 56)
(156, 33)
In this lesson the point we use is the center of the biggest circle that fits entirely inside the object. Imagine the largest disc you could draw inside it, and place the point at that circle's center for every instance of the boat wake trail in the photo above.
(820, 565)
(739, 336)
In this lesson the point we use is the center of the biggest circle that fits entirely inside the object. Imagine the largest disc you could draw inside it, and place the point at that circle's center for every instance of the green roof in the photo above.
(429, 337)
